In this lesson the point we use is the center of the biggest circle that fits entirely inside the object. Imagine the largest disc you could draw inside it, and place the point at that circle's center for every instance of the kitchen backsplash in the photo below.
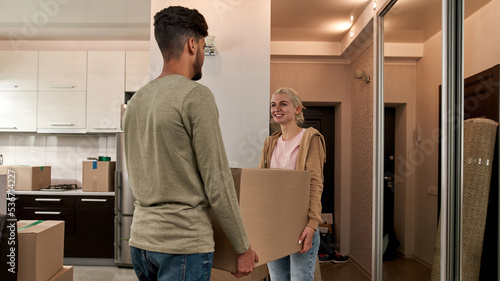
(64, 153)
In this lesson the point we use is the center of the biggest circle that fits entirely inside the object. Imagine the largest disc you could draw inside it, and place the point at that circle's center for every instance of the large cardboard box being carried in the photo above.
(41, 249)
(274, 204)
(65, 274)
(98, 176)
(28, 178)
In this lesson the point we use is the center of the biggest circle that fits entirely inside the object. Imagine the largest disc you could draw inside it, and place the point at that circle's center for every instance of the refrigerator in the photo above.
(124, 204)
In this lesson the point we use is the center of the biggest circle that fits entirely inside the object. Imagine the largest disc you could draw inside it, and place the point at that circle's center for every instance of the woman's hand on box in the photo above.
(306, 239)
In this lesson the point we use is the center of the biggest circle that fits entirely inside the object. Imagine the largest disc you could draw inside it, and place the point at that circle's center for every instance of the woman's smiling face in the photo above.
(282, 109)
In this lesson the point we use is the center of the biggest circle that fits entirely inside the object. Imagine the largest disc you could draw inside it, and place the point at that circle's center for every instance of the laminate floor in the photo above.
(396, 270)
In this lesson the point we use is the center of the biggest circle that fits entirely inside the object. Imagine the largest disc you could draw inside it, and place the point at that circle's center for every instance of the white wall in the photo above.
(239, 75)
(64, 153)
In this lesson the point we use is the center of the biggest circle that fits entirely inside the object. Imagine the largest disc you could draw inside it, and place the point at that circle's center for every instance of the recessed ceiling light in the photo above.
(352, 34)
(341, 26)
(374, 5)
(352, 18)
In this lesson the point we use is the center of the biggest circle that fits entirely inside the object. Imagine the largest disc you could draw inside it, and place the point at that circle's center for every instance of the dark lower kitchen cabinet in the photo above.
(94, 236)
(89, 221)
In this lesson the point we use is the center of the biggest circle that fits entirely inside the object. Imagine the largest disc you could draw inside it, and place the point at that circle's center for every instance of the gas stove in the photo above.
(60, 187)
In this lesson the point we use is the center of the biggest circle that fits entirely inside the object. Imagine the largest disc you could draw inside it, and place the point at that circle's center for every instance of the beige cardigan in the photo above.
(311, 157)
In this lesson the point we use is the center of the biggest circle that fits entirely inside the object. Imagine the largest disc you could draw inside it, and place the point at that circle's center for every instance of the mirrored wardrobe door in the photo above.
(412, 63)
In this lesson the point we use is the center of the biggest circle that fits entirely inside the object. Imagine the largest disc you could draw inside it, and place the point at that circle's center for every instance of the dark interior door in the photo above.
(481, 99)
(389, 152)
(322, 118)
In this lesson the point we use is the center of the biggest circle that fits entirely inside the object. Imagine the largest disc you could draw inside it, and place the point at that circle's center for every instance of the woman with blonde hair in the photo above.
(296, 148)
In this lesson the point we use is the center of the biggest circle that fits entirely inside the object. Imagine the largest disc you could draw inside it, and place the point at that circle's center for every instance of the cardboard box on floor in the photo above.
(274, 204)
(98, 176)
(65, 274)
(28, 178)
(41, 249)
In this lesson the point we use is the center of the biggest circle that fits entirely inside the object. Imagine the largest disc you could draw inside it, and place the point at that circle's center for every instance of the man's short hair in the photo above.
(174, 26)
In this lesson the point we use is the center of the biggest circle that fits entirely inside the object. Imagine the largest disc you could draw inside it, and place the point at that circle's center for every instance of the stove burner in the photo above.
(62, 186)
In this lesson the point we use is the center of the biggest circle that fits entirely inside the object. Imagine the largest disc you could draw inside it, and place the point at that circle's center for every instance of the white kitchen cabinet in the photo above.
(105, 90)
(137, 70)
(18, 111)
(61, 112)
(12, 12)
(62, 71)
(18, 96)
(18, 70)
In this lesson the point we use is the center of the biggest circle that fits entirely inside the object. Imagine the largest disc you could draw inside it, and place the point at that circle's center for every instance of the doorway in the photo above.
(322, 118)
(390, 240)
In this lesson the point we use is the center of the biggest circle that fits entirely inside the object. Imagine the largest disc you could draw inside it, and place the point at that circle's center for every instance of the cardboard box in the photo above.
(65, 274)
(98, 176)
(325, 228)
(28, 178)
(41, 250)
(258, 274)
(274, 204)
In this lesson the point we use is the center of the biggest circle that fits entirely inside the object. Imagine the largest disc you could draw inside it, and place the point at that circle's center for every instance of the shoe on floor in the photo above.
(324, 258)
(335, 258)
(339, 258)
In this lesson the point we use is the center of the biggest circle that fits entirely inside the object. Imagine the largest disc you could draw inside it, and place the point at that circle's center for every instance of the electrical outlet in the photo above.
(432, 190)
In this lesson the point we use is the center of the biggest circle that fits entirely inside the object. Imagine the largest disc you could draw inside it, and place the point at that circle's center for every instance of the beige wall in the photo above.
(425, 165)
(315, 82)
(481, 48)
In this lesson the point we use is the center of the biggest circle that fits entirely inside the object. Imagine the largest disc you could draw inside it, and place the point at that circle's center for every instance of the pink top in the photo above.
(285, 153)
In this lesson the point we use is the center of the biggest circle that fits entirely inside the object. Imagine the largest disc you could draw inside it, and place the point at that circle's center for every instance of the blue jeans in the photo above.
(152, 266)
(296, 267)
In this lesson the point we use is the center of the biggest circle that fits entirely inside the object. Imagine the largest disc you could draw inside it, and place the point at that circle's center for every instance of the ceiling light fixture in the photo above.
(374, 5)
(352, 34)
(352, 17)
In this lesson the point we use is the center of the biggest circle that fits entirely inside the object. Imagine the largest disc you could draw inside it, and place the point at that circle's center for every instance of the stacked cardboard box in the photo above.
(98, 176)
(274, 204)
(65, 274)
(41, 251)
(28, 178)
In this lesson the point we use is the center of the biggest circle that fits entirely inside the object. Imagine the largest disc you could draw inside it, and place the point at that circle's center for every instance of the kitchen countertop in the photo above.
(77, 192)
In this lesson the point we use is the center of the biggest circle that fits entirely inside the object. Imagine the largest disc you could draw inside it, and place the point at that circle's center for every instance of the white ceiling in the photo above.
(291, 20)
(313, 20)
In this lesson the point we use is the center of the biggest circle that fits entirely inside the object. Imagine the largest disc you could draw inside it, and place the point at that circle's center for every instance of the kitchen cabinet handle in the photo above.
(47, 213)
(8, 128)
(94, 200)
(61, 86)
(9, 86)
(113, 128)
(48, 199)
(61, 124)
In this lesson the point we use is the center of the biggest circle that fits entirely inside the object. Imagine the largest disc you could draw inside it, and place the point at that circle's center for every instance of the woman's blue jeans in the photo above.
(152, 266)
(296, 267)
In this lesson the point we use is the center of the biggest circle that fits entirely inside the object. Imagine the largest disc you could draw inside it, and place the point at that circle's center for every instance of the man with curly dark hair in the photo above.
(177, 164)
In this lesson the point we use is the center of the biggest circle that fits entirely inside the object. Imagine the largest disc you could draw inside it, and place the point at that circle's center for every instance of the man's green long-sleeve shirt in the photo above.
(178, 169)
